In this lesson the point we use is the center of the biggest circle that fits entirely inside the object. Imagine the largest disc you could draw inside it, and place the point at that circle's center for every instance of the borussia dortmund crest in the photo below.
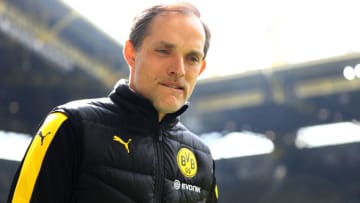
(187, 163)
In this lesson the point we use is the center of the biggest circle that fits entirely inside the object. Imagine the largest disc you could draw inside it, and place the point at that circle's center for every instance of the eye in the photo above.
(163, 51)
(193, 59)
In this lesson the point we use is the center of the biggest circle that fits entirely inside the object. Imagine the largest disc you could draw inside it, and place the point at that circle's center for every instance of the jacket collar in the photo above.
(139, 108)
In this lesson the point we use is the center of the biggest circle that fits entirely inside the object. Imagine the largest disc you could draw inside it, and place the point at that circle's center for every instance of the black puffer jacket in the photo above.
(114, 149)
(128, 156)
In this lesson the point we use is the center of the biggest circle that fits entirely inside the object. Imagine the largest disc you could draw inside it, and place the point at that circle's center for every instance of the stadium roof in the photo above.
(63, 37)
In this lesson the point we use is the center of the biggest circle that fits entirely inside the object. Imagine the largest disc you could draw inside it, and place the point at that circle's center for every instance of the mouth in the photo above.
(174, 86)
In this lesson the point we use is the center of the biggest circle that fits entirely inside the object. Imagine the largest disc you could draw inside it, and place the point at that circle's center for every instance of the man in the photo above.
(130, 146)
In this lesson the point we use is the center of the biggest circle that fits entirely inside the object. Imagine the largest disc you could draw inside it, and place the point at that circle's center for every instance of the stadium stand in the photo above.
(49, 54)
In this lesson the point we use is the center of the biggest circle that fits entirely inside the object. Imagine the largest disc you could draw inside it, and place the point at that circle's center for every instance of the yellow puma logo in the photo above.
(42, 137)
(126, 144)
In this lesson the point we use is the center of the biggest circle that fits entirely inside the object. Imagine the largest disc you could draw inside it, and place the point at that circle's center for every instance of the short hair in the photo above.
(142, 21)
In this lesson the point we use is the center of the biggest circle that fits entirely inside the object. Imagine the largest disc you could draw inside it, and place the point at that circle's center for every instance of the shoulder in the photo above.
(52, 123)
(91, 112)
(85, 108)
(85, 104)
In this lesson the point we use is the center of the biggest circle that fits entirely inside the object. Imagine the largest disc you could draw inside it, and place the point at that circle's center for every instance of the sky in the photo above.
(250, 35)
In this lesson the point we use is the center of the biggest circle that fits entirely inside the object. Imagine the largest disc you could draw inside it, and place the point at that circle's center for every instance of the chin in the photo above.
(169, 108)
(168, 105)
(173, 109)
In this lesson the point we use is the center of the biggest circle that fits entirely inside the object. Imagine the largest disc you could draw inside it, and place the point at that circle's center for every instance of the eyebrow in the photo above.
(166, 44)
(173, 46)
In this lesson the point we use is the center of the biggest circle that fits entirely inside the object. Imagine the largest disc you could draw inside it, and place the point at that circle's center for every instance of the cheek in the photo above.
(140, 77)
(191, 80)
(145, 77)
(192, 76)
(146, 69)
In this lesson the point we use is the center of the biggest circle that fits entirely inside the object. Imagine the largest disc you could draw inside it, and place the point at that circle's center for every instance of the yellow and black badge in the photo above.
(187, 162)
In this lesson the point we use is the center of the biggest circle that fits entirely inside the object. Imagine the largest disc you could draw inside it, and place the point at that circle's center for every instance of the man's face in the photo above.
(166, 66)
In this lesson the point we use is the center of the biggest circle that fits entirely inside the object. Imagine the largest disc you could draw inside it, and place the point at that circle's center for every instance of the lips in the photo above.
(173, 85)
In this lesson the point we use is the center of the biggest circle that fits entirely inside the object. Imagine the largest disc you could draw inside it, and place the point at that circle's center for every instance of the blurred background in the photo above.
(278, 103)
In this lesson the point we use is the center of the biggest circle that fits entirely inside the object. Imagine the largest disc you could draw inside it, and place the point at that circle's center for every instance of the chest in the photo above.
(148, 164)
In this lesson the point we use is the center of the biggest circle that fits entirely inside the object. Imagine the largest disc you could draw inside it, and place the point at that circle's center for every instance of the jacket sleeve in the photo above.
(48, 167)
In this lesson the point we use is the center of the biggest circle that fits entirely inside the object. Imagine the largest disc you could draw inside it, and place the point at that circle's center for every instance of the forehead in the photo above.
(179, 15)
(175, 25)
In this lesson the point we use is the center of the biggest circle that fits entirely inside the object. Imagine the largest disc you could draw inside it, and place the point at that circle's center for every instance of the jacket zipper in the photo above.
(159, 168)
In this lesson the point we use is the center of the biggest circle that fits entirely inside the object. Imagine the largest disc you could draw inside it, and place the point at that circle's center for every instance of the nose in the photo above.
(177, 67)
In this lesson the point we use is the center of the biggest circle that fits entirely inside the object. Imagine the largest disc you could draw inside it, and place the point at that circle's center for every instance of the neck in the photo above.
(161, 116)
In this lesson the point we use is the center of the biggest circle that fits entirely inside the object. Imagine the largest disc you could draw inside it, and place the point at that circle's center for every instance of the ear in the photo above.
(203, 66)
(129, 53)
